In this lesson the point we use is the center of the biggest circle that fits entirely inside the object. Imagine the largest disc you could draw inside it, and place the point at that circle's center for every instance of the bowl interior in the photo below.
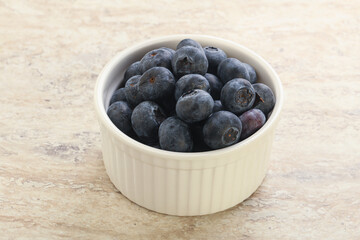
(111, 77)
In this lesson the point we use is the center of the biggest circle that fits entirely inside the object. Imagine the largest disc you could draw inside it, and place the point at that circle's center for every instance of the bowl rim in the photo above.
(105, 120)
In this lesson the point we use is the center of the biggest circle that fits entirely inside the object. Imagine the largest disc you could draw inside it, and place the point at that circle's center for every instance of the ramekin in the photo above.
(185, 184)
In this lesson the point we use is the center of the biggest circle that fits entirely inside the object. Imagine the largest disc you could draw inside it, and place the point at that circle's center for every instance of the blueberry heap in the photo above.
(191, 99)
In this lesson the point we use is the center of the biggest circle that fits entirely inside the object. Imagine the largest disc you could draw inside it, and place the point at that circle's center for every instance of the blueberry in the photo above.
(231, 68)
(133, 69)
(217, 106)
(132, 94)
(120, 114)
(266, 98)
(194, 106)
(146, 119)
(214, 56)
(252, 73)
(156, 83)
(156, 58)
(222, 129)
(215, 85)
(189, 82)
(172, 51)
(188, 60)
(252, 121)
(118, 95)
(189, 42)
(175, 135)
(238, 95)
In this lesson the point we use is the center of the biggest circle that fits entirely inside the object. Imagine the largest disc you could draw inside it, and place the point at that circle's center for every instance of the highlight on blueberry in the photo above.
(238, 95)
(194, 106)
(231, 68)
(215, 85)
(132, 70)
(120, 114)
(175, 135)
(156, 58)
(146, 119)
(190, 82)
(266, 98)
(222, 129)
(118, 95)
(132, 94)
(188, 60)
(214, 56)
(156, 83)
(252, 121)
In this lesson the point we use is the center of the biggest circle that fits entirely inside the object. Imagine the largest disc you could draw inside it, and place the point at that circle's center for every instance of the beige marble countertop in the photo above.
(53, 184)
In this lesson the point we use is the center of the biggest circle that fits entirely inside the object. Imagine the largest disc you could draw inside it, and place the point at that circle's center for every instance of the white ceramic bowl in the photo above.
(185, 184)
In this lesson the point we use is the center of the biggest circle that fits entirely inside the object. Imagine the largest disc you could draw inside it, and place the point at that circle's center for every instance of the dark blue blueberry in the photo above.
(132, 94)
(238, 95)
(133, 69)
(215, 85)
(120, 114)
(172, 51)
(214, 56)
(252, 121)
(118, 95)
(156, 83)
(252, 73)
(156, 58)
(188, 60)
(146, 119)
(194, 106)
(190, 82)
(222, 129)
(231, 68)
(218, 106)
(265, 98)
(175, 135)
(189, 42)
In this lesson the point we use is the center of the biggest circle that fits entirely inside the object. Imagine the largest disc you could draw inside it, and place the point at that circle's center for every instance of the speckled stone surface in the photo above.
(53, 184)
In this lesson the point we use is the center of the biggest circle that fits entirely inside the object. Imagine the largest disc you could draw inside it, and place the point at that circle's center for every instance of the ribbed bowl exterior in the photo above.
(188, 188)
(184, 184)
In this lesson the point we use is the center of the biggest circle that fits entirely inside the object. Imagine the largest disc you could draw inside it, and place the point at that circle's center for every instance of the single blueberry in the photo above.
(215, 85)
(252, 120)
(238, 95)
(222, 129)
(172, 51)
(194, 106)
(252, 73)
(265, 98)
(214, 56)
(120, 114)
(132, 94)
(156, 83)
(231, 68)
(217, 106)
(132, 70)
(189, 42)
(175, 135)
(156, 58)
(189, 82)
(146, 119)
(118, 95)
(188, 60)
